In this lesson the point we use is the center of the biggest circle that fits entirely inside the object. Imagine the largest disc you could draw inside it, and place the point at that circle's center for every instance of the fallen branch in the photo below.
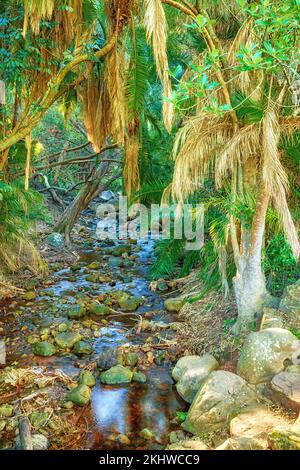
(25, 433)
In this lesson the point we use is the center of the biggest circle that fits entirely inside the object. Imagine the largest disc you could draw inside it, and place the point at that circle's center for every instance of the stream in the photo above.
(115, 409)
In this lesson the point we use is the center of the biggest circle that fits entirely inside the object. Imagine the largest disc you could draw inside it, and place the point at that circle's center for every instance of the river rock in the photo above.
(67, 340)
(2, 352)
(139, 377)
(108, 358)
(77, 311)
(191, 372)
(87, 378)
(56, 240)
(222, 397)
(176, 436)
(95, 265)
(286, 389)
(131, 359)
(106, 196)
(29, 296)
(130, 304)
(264, 352)
(290, 304)
(44, 348)
(147, 434)
(80, 395)
(39, 442)
(174, 305)
(82, 348)
(98, 309)
(120, 250)
(115, 262)
(116, 375)
(188, 444)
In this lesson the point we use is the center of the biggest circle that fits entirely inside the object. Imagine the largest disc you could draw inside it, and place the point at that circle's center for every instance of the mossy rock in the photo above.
(67, 340)
(29, 296)
(174, 305)
(95, 265)
(120, 250)
(284, 440)
(98, 309)
(38, 419)
(139, 377)
(129, 305)
(87, 378)
(116, 375)
(77, 311)
(80, 395)
(131, 359)
(82, 348)
(44, 348)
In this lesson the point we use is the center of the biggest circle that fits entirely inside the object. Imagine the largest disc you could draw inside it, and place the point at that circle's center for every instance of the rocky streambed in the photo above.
(89, 352)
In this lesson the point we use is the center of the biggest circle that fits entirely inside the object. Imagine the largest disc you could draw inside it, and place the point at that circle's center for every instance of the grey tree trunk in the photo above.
(88, 192)
(250, 292)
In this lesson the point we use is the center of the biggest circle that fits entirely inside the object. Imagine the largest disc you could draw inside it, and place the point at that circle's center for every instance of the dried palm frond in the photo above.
(275, 177)
(114, 78)
(196, 146)
(91, 97)
(156, 30)
(35, 11)
(131, 165)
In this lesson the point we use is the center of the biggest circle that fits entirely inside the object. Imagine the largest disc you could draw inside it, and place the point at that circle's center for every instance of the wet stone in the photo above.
(44, 348)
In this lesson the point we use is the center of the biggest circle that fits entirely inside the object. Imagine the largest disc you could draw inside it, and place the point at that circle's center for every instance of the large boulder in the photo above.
(286, 389)
(116, 375)
(188, 444)
(191, 372)
(286, 437)
(255, 423)
(222, 397)
(264, 352)
(290, 304)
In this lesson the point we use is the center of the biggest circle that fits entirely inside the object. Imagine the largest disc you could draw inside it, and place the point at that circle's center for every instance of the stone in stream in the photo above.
(264, 352)
(56, 240)
(139, 377)
(131, 359)
(109, 358)
(129, 305)
(80, 395)
(286, 390)
(147, 434)
(2, 352)
(29, 296)
(222, 396)
(116, 375)
(98, 309)
(67, 340)
(120, 250)
(174, 305)
(114, 262)
(39, 442)
(82, 348)
(44, 348)
(191, 373)
(87, 378)
(77, 311)
(176, 436)
(95, 265)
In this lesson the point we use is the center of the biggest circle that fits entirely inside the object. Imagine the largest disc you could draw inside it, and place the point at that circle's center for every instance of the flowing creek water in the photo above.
(114, 410)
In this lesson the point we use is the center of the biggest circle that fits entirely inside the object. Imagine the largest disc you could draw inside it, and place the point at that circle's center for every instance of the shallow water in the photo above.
(114, 410)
